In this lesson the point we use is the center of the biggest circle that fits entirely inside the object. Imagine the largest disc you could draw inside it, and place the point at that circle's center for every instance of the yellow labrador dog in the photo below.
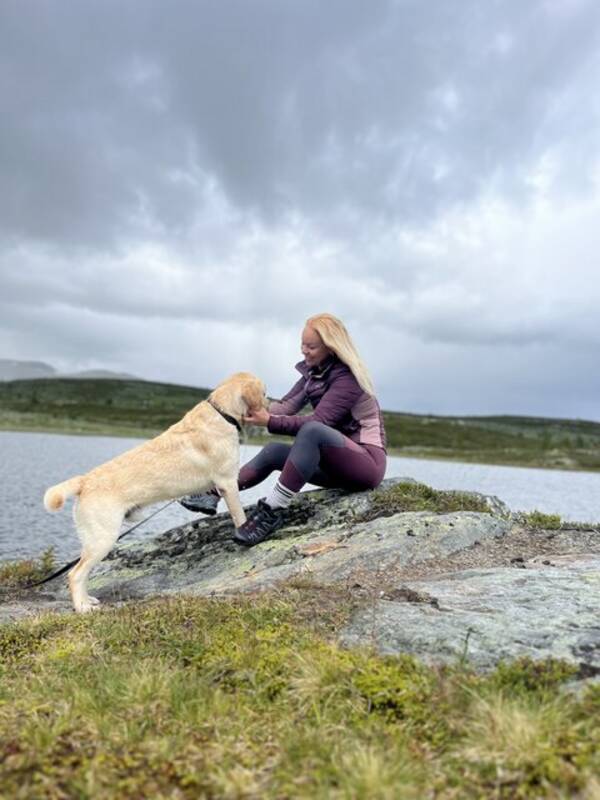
(198, 452)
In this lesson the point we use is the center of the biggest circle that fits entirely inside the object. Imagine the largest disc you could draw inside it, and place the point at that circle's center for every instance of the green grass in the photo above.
(15, 574)
(411, 496)
(114, 407)
(520, 441)
(541, 521)
(230, 698)
(142, 408)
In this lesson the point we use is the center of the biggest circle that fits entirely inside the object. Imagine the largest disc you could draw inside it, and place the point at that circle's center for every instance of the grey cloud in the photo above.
(197, 171)
(334, 110)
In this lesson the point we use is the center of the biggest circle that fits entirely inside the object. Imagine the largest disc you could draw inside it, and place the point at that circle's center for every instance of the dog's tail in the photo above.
(55, 497)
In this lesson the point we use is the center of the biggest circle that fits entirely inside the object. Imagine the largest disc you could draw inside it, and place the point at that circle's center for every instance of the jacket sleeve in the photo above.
(332, 408)
(292, 402)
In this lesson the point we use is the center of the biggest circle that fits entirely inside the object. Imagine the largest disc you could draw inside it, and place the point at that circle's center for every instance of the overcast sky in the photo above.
(183, 183)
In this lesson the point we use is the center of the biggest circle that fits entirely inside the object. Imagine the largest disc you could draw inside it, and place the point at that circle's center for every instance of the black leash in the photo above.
(231, 420)
(62, 570)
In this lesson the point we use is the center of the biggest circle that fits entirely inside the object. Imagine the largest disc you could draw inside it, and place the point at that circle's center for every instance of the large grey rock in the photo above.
(549, 608)
(324, 536)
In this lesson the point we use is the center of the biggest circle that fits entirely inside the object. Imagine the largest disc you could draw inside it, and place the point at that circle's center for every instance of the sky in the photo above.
(184, 183)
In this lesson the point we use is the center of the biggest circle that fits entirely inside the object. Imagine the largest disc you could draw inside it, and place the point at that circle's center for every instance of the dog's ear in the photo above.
(253, 395)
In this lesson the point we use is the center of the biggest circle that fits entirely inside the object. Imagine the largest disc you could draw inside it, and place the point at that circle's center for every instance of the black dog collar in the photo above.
(231, 420)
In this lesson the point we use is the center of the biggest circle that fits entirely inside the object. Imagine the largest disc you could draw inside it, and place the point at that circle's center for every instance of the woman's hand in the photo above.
(258, 417)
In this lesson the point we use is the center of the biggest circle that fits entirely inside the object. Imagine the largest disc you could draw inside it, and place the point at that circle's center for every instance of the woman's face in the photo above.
(313, 349)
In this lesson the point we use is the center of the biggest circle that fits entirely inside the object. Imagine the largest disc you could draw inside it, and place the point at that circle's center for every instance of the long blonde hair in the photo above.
(335, 337)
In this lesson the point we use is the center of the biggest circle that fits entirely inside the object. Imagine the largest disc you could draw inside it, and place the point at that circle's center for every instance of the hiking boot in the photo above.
(205, 503)
(263, 522)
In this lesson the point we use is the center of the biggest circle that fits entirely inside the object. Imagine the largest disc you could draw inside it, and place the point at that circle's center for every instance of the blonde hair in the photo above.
(335, 337)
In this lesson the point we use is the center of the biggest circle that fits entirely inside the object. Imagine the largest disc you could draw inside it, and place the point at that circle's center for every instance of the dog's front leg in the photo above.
(230, 493)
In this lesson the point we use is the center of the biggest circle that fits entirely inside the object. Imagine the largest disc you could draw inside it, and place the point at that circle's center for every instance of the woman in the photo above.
(340, 444)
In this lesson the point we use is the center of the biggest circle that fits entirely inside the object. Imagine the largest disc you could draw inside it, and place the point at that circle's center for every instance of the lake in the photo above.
(31, 462)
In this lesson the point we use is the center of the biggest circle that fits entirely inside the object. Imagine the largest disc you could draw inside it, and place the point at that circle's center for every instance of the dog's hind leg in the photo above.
(230, 493)
(98, 526)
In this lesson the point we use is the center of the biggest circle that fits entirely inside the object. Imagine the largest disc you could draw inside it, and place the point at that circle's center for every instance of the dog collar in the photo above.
(231, 420)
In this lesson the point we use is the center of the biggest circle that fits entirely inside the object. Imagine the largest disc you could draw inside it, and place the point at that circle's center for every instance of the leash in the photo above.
(243, 440)
(68, 566)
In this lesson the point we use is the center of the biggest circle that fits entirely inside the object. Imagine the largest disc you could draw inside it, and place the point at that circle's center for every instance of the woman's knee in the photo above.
(274, 454)
(317, 432)
(311, 427)
(374, 480)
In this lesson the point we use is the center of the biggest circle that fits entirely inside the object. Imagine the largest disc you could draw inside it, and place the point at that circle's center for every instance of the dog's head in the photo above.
(241, 393)
(254, 392)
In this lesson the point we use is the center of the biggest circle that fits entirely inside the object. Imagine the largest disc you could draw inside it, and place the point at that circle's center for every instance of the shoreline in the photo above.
(396, 452)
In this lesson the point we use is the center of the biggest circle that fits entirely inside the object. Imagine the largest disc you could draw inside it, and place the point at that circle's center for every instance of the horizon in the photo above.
(206, 387)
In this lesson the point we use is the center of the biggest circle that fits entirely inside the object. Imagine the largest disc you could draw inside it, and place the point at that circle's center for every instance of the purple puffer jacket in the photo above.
(337, 400)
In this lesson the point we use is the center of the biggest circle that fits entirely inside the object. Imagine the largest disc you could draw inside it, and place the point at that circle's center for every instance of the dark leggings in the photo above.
(319, 455)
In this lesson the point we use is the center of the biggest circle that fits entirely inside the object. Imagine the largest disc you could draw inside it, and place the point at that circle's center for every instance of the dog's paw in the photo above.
(89, 604)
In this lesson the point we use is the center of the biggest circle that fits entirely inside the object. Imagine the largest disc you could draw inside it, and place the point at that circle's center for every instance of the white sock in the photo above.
(280, 496)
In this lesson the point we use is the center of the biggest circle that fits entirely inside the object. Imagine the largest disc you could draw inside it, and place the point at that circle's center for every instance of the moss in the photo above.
(527, 675)
(16, 574)
(540, 521)
(122, 574)
(23, 641)
(410, 496)
(192, 697)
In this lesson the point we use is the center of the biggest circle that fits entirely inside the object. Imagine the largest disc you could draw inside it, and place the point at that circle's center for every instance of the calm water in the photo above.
(31, 462)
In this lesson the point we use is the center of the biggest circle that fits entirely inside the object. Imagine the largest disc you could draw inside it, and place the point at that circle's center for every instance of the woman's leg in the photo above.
(272, 457)
(325, 457)
(318, 453)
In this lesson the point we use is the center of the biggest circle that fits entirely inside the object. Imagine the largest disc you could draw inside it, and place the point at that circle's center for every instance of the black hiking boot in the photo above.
(205, 503)
(263, 522)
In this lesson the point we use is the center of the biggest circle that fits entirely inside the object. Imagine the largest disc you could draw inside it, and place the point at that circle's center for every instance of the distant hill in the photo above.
(102, 374)
(144, 408)
(13, 370)
(94, 405)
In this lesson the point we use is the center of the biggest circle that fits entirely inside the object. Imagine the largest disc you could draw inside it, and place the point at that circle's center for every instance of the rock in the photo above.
(324, 537)
(446, 587)
(15, 609)
(485, 616)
